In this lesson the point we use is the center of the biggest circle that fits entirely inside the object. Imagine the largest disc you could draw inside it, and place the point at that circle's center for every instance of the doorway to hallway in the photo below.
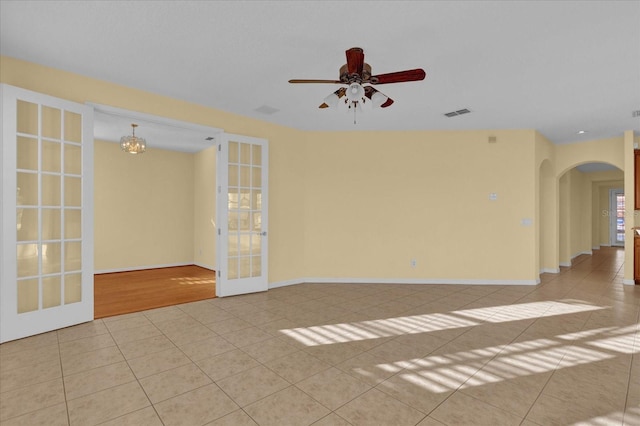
(616, 217)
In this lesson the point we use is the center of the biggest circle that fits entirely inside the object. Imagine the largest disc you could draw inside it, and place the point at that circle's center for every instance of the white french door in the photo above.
(242, 164)
(46, 251)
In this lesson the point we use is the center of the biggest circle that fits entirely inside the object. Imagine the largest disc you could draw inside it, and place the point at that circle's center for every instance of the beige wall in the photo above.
(376, 200)
(204, 208)
(143, 208)
(363, 204)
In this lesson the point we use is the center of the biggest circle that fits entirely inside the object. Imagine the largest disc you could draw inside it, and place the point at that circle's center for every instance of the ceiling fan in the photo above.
(356, 74)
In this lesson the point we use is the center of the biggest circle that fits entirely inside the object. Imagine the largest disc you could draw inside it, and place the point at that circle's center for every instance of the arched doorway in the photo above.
(586, 217)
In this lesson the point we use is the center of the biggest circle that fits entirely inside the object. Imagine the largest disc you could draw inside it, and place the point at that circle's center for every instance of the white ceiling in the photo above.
(554, 66)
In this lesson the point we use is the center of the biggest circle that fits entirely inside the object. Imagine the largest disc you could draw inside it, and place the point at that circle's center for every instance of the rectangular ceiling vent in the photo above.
(458, 112)
(635, 113)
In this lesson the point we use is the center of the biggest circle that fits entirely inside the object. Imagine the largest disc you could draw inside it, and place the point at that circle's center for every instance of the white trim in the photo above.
(141, 268)
(628, 282)
(605, 245)
(418, 281)
(285, 283)
(595, 248)
(550, 270)
(202, 265)
(156, 119)
(570, 263)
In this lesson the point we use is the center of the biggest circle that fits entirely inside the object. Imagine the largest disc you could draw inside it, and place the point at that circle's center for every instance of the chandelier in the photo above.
(133, 144)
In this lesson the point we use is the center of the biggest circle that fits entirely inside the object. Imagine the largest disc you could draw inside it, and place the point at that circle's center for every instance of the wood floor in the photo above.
(134, 291)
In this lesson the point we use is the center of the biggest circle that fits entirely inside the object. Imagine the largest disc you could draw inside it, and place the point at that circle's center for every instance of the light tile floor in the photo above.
(563, 352)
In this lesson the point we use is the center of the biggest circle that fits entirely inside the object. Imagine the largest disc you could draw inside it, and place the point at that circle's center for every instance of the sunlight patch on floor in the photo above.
(466, 369)
(192, 280)
(389, 327)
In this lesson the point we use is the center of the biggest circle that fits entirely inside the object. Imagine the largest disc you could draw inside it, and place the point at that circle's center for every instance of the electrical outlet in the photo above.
(413, 263)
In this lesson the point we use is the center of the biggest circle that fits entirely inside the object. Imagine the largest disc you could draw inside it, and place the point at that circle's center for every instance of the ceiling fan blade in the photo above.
(398, 77)
(355, 60)
(315, 81)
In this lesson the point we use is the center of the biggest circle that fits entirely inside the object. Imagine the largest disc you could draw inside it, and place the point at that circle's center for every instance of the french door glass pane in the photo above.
(72, 127)
(72, 288)
(27, 224)
(27, 153)
(51, 156)
(72, 159)
(27, 190)
(51, 291)
(72, 256)
(72, 223)
(51, 224)
(72, 191)
(51, 190)
(27, 117)
(28, 295)
(51, 124)
(245, 153)
(27, 259)
(51, 258)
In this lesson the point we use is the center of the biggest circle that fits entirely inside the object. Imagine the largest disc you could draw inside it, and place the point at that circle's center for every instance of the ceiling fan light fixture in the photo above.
(378, 99)
(331, 100)
(355, 92)
(133, 144)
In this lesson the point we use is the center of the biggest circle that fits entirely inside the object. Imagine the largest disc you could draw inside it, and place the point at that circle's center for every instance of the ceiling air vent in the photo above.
(458, 112)
(635, 113)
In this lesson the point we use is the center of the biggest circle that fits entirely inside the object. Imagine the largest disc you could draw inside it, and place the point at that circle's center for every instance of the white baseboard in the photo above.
(285, 283)
(550, 270)
(205, 266)
(453, 281)
(595, 248)
(565, 264)
(140, 268)
(589, 252)
(629, 282)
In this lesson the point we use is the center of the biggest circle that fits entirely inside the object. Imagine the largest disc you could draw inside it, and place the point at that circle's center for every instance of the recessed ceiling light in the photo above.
(581, 132)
